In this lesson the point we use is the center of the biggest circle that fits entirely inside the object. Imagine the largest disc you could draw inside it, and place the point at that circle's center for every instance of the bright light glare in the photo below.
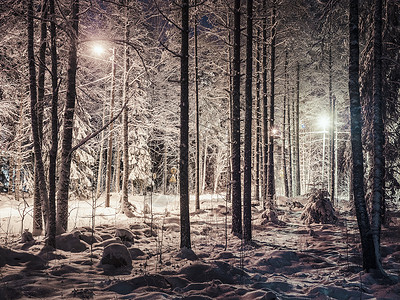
(98, 50)
(323, 121)
(274, 131)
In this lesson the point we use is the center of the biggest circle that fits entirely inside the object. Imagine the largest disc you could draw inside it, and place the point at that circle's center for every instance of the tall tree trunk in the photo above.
(236, 176)
(265, 106)
(184, 138)
(290, 143)
(367, 244)
(331, 131)
(125, 116)
(17, 182)
(247, 234)
(118, 166)
(39, 168)
(285, 176)
(54, 126)
(271, 166)
(333, 160)
(204, 169)
(65, 167)
(378, 135)
(297, 132)
(258, 118)
(110, 136)
(196, 73)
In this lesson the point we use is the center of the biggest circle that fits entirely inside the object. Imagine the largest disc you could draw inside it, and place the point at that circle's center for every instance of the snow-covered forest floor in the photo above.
(289, 260)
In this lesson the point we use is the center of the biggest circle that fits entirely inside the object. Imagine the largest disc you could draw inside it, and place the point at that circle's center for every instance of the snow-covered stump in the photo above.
(270, 216)
(319, 209)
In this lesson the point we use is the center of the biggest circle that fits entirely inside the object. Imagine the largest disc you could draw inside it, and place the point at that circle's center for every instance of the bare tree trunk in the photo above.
(184, 136)
(65, 167)
(39, 168)
(258, 119)
(118, 166)
(290, 141)
(196, 72)
(297, 132)
(271, 166)
(265, 107)
(110, 136)
(285, 176)
(378, 133)
(247, 232)
(367, 243)
(204, 170)
(17, 182)
(236, 176)
(54, 127)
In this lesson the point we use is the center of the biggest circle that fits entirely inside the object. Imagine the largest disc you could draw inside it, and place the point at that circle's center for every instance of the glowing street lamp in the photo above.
(98, 49)
(324, 123)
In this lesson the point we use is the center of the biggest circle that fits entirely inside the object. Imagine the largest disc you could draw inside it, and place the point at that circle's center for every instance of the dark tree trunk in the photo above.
(356, 143)
(378, 135)
(271, 166)
(297, 132)
(184, 142)
(196, 73)
(258, 119)
(54, 127)
(65, 167)
(110, 136)
(248, 122)
(265, 107)
(236, 176)
(39, 168)
(285, 175)
(290, 141)
(331, 132)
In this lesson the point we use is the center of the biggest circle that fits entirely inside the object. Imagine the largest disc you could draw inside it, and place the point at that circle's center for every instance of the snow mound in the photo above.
(116, 255)
(16, 258)
(218, 270)
(125, 235)
(186, 253)
(128, 286)
(319, 209)
(71, 242)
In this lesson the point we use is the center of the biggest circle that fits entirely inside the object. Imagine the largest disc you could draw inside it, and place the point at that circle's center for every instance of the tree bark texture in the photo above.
(65, 166)
(196, 82)
(265, 107)
(184, 132)
(247, 234)
(297, 132)
(39, 168)
(285, 175)
(271, 166)
(110, 136)
(54, 126)
(258, 119)
(378, 135)
(356, 142)
(236, 176)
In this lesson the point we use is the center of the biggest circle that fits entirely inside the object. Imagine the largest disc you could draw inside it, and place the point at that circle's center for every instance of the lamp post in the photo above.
(323, 122)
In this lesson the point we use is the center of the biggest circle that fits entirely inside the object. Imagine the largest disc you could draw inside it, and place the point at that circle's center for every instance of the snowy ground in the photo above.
(287, 261)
